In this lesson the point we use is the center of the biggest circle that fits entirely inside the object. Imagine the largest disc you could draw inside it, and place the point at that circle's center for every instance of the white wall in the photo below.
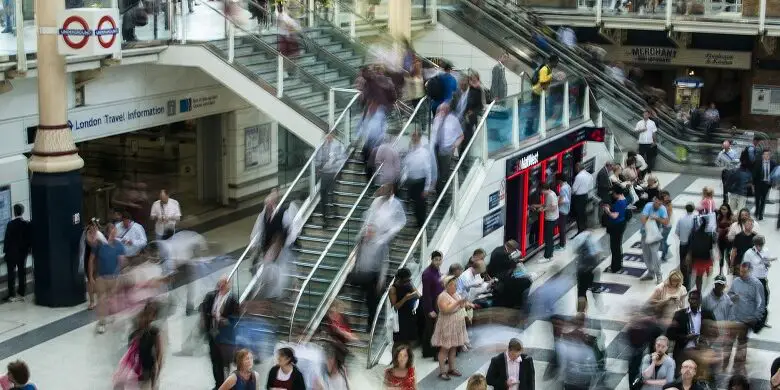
(442, 42)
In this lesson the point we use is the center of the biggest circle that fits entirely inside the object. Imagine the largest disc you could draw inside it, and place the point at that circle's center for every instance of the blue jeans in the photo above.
(664, 245)
(9, 15)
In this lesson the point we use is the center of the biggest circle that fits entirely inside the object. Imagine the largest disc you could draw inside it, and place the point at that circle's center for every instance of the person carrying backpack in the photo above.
(541, 80)
(441, 87)
(700, 250)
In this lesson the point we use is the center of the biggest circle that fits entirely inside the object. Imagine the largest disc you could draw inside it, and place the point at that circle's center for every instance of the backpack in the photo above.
(434, 88)
(535, 76)
(700, 243)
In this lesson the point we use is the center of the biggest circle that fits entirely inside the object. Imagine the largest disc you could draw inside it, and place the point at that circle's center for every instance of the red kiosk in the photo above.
(527, 170)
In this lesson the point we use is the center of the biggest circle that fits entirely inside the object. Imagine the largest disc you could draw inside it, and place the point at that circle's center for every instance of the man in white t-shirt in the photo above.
(165, 213)
(646, 129)
(550, 210)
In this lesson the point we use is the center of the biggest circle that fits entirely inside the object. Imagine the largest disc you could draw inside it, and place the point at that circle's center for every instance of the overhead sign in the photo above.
(528, 158)
(88, 31)
(684, 57)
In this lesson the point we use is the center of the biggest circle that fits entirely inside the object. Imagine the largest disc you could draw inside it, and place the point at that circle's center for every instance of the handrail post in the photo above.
(423, 246)
(118, 55)
(231, 43)
(313, 182)
(483, 138)
(183, 23)
(434, 12)
(600, 119)
(566, 116)
(586, 103)
(336, 13)
(542, 114)
(172, 27)
(353, 20)
(331, 108)
(761, 17)
(516, 120)
(669, 5)
(280, 76)
(599, 4)
(21, 54)
(310, 4)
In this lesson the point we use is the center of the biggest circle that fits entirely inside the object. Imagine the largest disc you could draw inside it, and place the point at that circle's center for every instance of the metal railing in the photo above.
(309, 329)
(307, 167)
(422, 236)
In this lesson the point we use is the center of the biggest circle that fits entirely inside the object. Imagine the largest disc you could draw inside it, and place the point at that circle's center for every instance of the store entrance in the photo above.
(128, 171)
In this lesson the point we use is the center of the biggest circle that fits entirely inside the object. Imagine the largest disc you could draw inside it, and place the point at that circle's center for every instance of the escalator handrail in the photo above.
(385, 296)
(309, 329)
(531, 45)
(564, 51)
(292, 185)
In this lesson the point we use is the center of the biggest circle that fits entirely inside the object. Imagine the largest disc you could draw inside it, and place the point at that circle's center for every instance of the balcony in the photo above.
(739, 17)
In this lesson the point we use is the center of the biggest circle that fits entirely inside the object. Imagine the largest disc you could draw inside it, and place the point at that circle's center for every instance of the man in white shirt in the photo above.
(131, 234)
(165, 213)
(759, 258)
(729, 160)
(418, 174)
(550, 210)
(564, 207)
(580, 189)
(646, 129)
(448, 135)
(471, 285)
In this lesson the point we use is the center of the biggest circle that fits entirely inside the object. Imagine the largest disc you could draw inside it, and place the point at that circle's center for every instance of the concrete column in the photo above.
(55, 185)
(400, 19)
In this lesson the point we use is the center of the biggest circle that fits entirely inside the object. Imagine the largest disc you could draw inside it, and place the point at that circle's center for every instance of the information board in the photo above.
(492, 222)
(494, 200)
(5, 209)
(765, 100)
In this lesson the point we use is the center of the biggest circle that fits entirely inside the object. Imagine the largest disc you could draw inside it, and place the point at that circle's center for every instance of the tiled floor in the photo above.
(41, 336)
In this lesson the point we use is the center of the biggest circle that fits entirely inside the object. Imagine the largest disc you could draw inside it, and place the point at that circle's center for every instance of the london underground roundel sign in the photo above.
(75, 32)
(106, 31)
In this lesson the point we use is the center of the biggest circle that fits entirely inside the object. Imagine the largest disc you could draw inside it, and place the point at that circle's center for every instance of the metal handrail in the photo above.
(568, 53)
(292, 185)
(480, 127)
(339, 230)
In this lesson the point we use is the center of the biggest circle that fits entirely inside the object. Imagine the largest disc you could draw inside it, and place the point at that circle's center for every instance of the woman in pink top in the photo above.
(707, 203)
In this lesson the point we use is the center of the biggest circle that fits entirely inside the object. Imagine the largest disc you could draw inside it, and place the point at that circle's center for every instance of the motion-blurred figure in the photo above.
(330, 157)
(178, 254)
(216, 309)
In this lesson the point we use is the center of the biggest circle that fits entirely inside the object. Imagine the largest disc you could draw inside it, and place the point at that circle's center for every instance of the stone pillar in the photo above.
(55, 184)
(399, 21)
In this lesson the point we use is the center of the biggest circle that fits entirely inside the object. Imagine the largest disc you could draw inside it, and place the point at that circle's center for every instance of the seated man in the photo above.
(513, 283)
(472, 287)
(131, 234)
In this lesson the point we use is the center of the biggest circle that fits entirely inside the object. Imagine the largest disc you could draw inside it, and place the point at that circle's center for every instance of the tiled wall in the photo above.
(442, 42)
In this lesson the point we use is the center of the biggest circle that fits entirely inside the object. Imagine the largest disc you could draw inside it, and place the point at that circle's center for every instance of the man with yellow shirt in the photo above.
(542, 79)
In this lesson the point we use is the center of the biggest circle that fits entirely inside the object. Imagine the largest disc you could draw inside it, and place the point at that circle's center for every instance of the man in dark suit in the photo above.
(511, 370)
(762, 180)
(17, 244)
(687, 326)
(498, 79)
(603, 184)
(217, 308)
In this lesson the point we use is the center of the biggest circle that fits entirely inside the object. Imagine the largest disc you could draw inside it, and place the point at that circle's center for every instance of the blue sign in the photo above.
(493, 200)
(185, 105)
(492, 222)
(116, 117)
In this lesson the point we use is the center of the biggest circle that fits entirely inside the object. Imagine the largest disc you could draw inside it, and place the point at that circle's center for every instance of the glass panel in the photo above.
(554, 106)
(149, 22)
(529, 113)
(576, 99)
(499, 124)
(727, 10)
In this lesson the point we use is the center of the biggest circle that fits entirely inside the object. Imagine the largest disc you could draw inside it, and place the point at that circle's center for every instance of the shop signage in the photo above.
(88, 31)
(92, 122)
(492, 222)
(684, 57)
(494, 200)
(529, 158)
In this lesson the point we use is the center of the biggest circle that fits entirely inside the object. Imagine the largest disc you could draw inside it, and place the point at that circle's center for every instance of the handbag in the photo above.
(652, 232)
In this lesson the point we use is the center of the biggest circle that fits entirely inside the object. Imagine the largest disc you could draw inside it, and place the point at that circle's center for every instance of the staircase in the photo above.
(309, 89)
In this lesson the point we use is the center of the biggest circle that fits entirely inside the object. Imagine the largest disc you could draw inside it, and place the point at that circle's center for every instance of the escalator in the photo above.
(622, 108)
